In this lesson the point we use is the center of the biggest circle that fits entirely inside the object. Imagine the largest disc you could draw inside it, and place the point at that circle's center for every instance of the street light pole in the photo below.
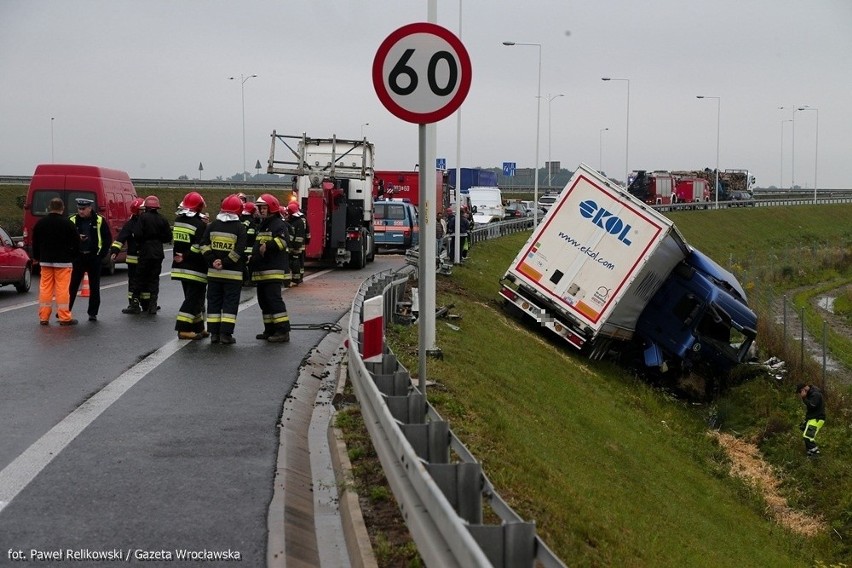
(362, 129)
(627, 130)
(51, 141)
(793, 148)
(816, 146)
(718, 115)
(549, 129)
(243, 79)
(781, 178)
(600, 148)
(537, 126)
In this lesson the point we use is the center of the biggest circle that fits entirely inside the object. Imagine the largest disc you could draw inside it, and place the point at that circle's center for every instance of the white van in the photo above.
(487, 204)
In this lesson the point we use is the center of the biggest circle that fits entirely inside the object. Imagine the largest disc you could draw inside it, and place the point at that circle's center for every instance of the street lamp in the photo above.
(718, 115)
(816, 146)
(537, 125)
(549, 121)
(243, 79)
(781, 179)
(793, 149)
(362, 129)
(627, 129)
(600, 148)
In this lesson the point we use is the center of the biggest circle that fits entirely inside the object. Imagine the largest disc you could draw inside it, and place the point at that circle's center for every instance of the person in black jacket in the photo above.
(814, 416)
(271, 269)
(152, 232)
(189, 266)
(55, 244)
(95, 242)
(223, 245)
(125, 235)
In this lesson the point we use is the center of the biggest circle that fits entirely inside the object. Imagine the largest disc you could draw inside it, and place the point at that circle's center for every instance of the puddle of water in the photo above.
(827, 303)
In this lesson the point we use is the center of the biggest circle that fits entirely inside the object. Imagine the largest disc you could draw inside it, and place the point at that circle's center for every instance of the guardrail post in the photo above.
(508, 545)
(430, 440)
(461, 484)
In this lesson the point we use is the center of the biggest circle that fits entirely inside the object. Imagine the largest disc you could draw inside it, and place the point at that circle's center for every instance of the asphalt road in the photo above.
(119, 442)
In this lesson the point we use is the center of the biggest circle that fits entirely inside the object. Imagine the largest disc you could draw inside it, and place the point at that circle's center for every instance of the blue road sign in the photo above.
(441, 163)
(508, 168)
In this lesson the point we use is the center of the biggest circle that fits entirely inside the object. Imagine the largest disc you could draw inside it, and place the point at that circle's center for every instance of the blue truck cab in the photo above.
(700, 315)
(395, 223)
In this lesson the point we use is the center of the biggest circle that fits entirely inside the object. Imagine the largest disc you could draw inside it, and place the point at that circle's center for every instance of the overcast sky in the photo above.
(142, 85)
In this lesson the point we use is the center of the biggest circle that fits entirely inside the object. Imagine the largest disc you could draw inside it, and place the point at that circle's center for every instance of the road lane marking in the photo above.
(18, 474)
(21, 471)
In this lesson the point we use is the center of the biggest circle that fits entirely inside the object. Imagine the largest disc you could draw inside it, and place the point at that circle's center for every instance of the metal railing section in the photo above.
(438, 483)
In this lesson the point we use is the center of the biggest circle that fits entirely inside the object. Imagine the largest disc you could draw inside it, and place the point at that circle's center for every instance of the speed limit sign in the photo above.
(421, 73)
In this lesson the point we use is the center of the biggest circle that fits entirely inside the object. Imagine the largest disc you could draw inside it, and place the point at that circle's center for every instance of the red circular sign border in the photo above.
(465, 72)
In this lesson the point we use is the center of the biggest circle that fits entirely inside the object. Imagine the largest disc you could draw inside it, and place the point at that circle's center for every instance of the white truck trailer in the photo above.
(604, 266)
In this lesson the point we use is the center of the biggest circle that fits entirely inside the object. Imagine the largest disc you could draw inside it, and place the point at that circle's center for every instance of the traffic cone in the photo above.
(84, 288)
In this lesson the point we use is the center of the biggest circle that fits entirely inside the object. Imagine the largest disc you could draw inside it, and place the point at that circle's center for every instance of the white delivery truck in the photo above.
(604, 266)
(487, 203)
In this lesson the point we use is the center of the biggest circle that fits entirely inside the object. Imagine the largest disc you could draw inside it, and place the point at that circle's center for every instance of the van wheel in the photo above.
(26, 281)
(108, 267)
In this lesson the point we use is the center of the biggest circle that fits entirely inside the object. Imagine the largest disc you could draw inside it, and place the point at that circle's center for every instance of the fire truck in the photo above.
(333, 182)
(662, 187)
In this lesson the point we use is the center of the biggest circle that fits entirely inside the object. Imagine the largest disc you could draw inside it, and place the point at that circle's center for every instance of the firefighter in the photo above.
(222, 245)
(249, 219)
(189, 266)
(151, 233)
(125, 235)
(299, 228)
(271, 269)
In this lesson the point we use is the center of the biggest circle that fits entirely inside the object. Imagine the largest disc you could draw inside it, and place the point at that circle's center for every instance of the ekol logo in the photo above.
(605, 220)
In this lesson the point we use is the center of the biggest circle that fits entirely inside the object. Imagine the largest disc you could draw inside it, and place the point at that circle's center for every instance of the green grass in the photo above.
(616, 473)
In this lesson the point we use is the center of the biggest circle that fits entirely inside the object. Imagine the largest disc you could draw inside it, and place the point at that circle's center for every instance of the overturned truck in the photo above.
(606, 272)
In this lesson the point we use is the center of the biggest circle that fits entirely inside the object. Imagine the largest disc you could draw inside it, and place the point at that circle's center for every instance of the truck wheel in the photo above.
(371, 256)
(359, 257)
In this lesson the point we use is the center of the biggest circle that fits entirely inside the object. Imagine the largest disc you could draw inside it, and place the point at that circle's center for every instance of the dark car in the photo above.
(742, 199)
(517, 211)
(16, 267)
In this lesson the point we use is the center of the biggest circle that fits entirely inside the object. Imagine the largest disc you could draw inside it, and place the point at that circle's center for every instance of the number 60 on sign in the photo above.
(422, 73)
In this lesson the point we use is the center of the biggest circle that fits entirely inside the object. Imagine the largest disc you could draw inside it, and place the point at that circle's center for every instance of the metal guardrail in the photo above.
(441, 499)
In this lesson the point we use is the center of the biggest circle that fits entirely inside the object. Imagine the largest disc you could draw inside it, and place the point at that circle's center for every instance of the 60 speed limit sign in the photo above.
(421, 73)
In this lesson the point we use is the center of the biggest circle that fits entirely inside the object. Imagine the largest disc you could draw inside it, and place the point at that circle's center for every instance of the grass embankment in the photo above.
(617, 473)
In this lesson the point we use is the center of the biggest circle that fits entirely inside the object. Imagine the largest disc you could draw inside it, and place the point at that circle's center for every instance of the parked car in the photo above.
(545, 201)
(742, 199)
(16, 267)
(517, 210)
(531, 206)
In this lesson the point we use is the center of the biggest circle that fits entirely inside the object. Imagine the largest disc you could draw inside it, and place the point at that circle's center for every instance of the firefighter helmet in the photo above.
(232, 204)
(292, 208)
(270, 201)
(249, 208)
(193, 201)
(136, 205)
(152, 202)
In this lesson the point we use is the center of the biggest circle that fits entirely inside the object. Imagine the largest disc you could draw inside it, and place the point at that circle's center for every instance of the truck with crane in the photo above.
(607, 272)
(333, 182)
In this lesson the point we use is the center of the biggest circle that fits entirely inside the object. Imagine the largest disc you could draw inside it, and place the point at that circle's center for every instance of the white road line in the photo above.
(18, 474)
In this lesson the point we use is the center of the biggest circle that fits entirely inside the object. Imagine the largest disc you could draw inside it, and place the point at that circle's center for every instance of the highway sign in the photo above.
(422, 73)
(508, 168)
(440, 163)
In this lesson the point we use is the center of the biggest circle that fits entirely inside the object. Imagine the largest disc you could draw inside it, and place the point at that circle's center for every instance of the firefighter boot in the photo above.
(133, 307)
(227, 339)
(279, 337)
(152, 305)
